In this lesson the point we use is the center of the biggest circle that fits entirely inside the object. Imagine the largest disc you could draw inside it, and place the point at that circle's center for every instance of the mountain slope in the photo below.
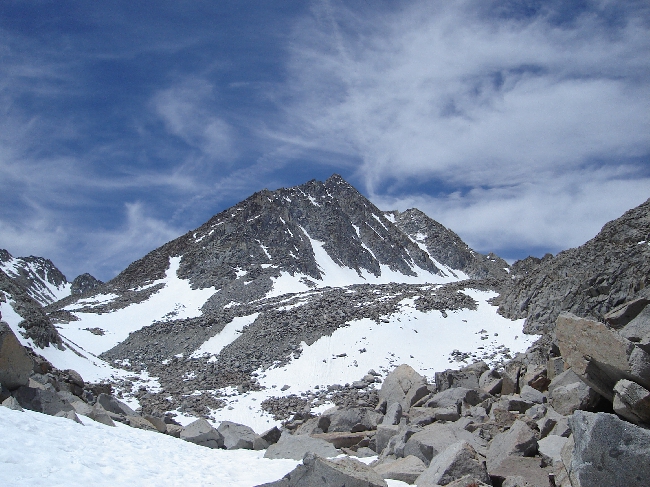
(588, 280)
(285, 278)
(39, 277)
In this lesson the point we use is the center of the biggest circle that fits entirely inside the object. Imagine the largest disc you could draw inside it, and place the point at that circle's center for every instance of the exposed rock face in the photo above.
(589, 280)
(15, 364)
(202, 433)
(447, 248)
(38, 276)
(84, 283)
(317, 471)
(453, 463)
(36, 323)
(608, 451)
(601, 357)
(295, 447)
(404, 386)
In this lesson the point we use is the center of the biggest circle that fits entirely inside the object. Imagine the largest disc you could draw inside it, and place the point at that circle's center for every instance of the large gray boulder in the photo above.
(238, 436)
(42, 400)
(11, 403)
(114, 405)
(436, 438)
(15, 364)
(600, 356)
(316, 471)
(638, 330)
(403, 385)
(455, 397)
(519, 440)
(393, 414)
(607, 451)
(406, 469)
(456, 461)
(632, 401)
(620, 316)
(383, 435)
(550, 447)
(467, 377)
(202, 433)
(351, 420)
(296, 446)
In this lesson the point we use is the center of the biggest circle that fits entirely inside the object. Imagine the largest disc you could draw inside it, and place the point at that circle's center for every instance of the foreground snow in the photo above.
(39, 450)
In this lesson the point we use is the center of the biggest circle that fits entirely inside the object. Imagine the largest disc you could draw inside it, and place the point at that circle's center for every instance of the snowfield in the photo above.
(424, 340)
(44, 451)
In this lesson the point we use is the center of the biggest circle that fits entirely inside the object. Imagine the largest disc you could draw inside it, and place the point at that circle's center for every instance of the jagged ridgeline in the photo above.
(590, 280)
(286, 230)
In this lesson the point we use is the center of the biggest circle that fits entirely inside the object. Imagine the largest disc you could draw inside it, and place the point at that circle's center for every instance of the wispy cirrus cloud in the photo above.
(518, 114)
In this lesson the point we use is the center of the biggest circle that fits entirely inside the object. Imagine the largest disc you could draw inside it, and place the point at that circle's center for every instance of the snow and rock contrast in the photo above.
(280, 324)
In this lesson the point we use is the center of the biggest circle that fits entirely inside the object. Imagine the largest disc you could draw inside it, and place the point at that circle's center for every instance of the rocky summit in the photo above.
(308, 323)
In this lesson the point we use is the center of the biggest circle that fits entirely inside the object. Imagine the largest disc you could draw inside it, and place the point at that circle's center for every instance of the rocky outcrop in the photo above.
(15, 365)
(588, 281)
(315, 471)
(84, 284)
(36, 324)
(607, 451)
(447, 248)
(37, 276)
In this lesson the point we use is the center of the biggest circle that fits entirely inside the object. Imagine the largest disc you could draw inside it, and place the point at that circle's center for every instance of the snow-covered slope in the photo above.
(38, 276)
(304, 286)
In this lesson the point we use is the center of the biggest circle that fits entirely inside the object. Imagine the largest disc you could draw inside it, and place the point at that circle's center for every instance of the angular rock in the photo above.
(600, 356)
(406, 469)
(140, 423)
(157, 423)
(202, 433)
(491, 382)
(403, 385)
(468, 481)
(607, 451)
(626, 312)
(531, 394)
(341, 440)
(296, 446)
(527, 468)
(567, 399)
(383, 435)
(632, 401)
(317, 471)
(455, 397)
(467, 377)
(437, 437)
(638, 330)
(424, 416)
(351, 420)
(393, 414)
(15, 365)
(519, 440)
(456, 461)
(69, 415)
(174, 430)
(11, 403)
(238, 436)
(554, 367)
(516, 481)
(550, 448)
(272, 435)
(115, 406)
(42, 401)
(99, 414)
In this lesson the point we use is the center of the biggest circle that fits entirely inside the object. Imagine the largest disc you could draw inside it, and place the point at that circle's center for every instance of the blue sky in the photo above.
(524, 126)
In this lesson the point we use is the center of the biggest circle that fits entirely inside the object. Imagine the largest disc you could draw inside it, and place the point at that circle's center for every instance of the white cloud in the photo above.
(187, 111)
(530, 121)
